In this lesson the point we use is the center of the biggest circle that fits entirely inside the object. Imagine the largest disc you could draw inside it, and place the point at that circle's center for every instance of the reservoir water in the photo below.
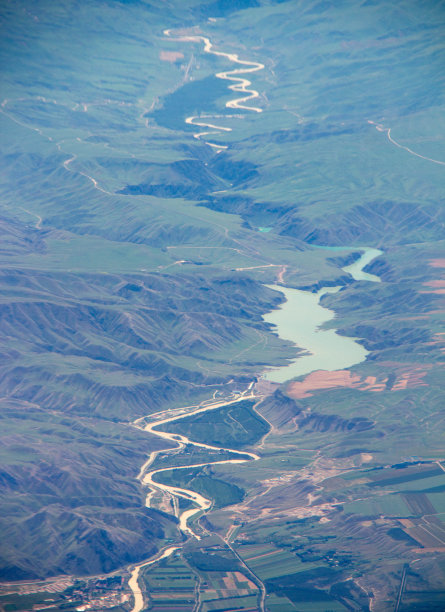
(300, 319)
(356, 269)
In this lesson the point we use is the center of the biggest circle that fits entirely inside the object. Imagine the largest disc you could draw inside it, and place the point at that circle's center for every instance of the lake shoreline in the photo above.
(301, 317)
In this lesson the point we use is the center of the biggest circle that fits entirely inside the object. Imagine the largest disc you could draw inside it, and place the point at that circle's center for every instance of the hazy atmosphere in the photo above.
(222, 297)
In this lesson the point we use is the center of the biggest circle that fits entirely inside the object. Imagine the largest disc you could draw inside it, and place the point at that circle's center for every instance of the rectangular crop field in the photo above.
(246, 604)
(271, 562)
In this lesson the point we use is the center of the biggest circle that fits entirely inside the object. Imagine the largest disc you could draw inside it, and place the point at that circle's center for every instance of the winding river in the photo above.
(146, 476)
(202, 503)
(299, 319)
(240, 85)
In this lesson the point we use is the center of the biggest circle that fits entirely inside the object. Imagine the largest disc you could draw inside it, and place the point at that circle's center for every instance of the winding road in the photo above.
(387, 131)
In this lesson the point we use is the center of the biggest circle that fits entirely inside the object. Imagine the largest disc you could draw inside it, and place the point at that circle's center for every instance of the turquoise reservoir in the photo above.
(300, 319)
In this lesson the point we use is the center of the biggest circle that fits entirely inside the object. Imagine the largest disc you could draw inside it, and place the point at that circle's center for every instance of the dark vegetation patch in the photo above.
(234, 426)
(189, 178)
(383, 479)
(202, 481)
(350, 591)
(210, 561)
(193, 455)
(192, 178)
(203, 96)
(345, 260)
(378, 338)
(400, 535)
(254, 212)
(310, 131)
(280, 409)
(419, 503)
(415, 601)
(297, 595)
(438, 489)
(313, 580)
(344, 454)
(223, 8)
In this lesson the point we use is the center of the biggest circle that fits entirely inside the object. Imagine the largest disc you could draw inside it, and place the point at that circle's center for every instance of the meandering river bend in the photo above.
(240, 84)
(146, 476)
